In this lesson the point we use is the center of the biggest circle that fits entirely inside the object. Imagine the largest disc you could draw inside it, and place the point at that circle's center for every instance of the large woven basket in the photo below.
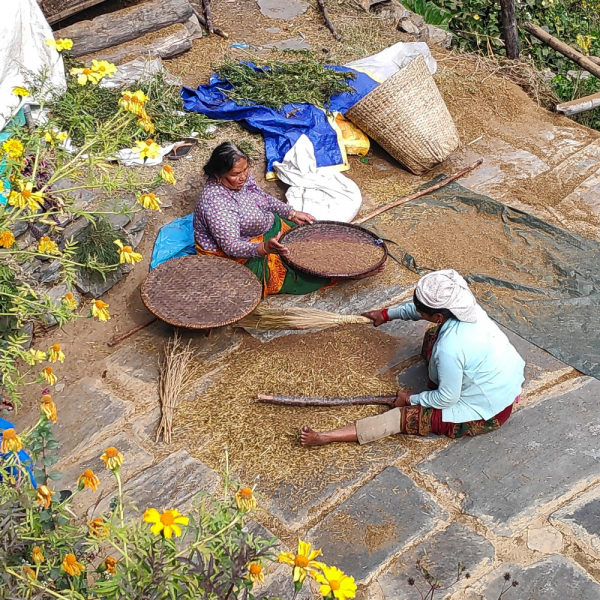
(407, 116)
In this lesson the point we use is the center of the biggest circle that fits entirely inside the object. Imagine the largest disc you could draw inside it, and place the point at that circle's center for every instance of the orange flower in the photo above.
(71, 566)
(11, 442)
(49, 376)
(29, 572)
(112, 458)
(110, 563)
(98, 528)
(245, 499)
(255, 573)
(7, 239)
(167, 174)
(44, 496)
(88, 479)
(56, 354)
(49, 408)
(37, 555)
(69, 301)
(100, 310)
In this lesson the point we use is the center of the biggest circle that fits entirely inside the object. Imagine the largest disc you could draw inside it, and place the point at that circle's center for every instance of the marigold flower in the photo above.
(29, 572)
(167, 174)
(150, 201)
(48, 408)
(56, 354)
(69, 300)
(125, 100)
(86, 75)
(37, 555)
(98, 528)
(245, 499)
(304, 562)
(103, 68)
(71, 566)
(60, 44)
(11, 442)
(35, 356)
(110, 563)
(139, 96)
(166, 523)
(145, 123)
(336, 582)
(49, 376)
(99, 310)
(112, 458)
(44, 496)
(13, 148)
(255, 573)
(126, 254)
(47, 246)
(21, 92)
(26, 197)
(147, 149)
(7, 239)
(88, 479)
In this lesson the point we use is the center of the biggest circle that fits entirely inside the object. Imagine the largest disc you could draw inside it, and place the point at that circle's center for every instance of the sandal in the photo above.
(182, 149)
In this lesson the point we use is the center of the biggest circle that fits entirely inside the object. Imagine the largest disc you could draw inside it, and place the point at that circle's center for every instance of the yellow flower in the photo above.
(103, 68)
(47, 246)
(69, 300)
(56, 354)
(126, 254)
(245, 499)
(88, 479)
(112, 458)
(304, 562)
(336, 582)
(44, 496)
(7, 239)
(476, 17)
(26, 197)
(139, 96)
(61, 136)
(49, 376)
(134, 103)
(86, 75)
(110, 563)
(167, 523)
(150, 201)
(255, 573)
(51, 136)
(13, 148)
(29, 572)
(21, 92)
(167, 174)
(146, 124)
(99, 309)
(35, 356)
(48, 408)
(98, 528)
(60, 44)
(11, 442)
(37, 555)
(125, 100)
(147, 149)
(71, 566)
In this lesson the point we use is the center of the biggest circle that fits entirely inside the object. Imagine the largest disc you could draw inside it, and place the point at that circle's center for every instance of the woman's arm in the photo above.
(406, 312)
(450, 376)
(267, 202)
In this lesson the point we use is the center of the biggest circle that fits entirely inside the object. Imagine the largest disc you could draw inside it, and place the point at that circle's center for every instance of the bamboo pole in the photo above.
(321, 401)
(579, 105)
(430, 189)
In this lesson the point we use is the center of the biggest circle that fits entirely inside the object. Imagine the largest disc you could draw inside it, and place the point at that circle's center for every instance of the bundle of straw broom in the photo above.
(297, 318)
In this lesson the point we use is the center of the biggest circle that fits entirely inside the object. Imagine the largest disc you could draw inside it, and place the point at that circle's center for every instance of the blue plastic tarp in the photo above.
(174, 240)
(281, 129)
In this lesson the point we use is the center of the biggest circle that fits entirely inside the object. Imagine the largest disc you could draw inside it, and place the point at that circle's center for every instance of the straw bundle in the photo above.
(297, 318)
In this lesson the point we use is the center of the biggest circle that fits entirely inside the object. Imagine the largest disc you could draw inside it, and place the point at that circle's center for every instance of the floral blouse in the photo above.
(228, 219)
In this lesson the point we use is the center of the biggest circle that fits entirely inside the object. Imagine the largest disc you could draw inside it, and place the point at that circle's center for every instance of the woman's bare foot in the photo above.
(308, 437)
(370, 273)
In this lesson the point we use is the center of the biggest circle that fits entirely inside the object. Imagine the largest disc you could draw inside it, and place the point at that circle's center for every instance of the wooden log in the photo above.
(583, 61)
(579, 105)
(424, 192)
(129, 333)
(71, 10)
(208, 16)
(328, 22)
(124, 25)
(321, 401)
(511, 32)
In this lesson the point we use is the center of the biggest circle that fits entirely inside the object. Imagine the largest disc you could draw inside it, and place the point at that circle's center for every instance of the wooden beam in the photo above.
(73, 10)
(511, 32)
(579, 105)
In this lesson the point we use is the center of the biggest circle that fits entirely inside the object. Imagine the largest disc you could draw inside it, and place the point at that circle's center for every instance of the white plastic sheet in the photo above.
(24, 31)
(321, 191)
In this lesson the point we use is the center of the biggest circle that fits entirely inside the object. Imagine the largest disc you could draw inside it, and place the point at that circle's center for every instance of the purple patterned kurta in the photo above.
(227, 219)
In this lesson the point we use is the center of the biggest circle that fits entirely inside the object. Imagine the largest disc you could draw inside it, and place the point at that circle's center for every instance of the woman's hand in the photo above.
(301, 218)
(402, 399)
(273, 246)
(376, 317)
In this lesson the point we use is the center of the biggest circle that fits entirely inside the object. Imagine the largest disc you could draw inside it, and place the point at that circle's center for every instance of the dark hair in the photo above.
(223, 158)
(423, 308)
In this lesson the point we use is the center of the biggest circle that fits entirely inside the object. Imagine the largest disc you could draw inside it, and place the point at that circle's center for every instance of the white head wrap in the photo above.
(447, 289)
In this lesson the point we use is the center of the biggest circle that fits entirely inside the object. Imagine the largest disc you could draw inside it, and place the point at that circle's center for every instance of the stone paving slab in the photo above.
(544, 452)
(172, 483)
(414, 377)
(410, 339)
(280, 586)
(582, 517)
(440, 555)
(93, 413)
(381, 518)
(554, 578)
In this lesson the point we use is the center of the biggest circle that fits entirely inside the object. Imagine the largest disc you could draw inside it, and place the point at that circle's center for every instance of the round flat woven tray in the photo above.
(333, 249)
(200, 292)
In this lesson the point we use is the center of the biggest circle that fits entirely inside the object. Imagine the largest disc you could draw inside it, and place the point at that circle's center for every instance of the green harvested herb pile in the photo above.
(305, 81)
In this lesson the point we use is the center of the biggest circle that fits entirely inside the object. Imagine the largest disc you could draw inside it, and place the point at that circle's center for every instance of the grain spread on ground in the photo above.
(334, 257)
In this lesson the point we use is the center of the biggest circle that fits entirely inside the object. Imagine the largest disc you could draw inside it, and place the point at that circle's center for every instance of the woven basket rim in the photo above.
(147, 300)
(341, 224)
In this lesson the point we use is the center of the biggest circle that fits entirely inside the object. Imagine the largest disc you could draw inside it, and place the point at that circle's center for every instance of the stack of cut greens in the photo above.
(276, 83)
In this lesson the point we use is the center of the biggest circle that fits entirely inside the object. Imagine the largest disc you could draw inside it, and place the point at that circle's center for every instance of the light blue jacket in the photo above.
(478, 371)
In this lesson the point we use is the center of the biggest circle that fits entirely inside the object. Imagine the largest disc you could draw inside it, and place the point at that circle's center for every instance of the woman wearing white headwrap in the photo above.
(475, 373)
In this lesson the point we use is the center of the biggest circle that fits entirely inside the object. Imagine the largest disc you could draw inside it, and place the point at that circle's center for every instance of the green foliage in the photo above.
(97, 246)
(431, 13)
(568, 88)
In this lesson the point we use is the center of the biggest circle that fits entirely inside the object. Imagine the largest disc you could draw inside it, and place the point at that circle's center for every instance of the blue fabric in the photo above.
(173, 240)
(281, 132)
(23, 456)
(478, 371)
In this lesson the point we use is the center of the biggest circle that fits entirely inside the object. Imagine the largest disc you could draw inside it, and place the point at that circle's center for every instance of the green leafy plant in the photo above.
(97, 246)
(431, 12)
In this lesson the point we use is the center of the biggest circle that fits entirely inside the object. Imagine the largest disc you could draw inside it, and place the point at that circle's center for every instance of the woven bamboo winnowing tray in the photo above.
(200, 292)
(407, 116)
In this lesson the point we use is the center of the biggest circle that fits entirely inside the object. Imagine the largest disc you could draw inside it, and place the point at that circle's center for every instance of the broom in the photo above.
(297, 318)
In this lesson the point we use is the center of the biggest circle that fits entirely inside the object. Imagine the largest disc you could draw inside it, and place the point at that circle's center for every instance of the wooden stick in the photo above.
(320, 401)
(437, 186)
(328, 22)
(511, 32)
(204, 24)
(208, 15)
(120, 338)
(579, 105)
(583, 61)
